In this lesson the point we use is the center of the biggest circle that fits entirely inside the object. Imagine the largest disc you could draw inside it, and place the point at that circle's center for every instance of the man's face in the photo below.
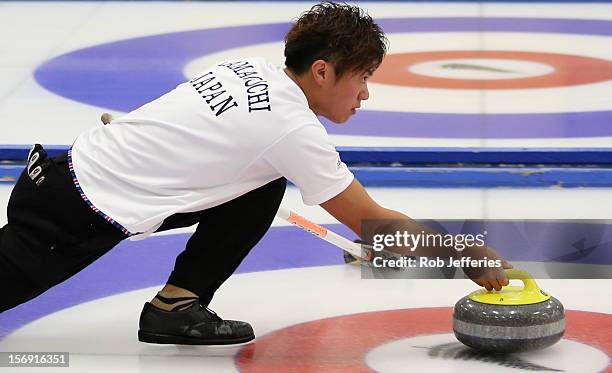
(343, 96)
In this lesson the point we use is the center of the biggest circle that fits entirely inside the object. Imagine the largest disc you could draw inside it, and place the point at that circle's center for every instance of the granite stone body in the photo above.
(504, 328)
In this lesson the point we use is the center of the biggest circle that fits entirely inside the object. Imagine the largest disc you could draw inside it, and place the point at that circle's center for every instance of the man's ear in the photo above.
(322, 72)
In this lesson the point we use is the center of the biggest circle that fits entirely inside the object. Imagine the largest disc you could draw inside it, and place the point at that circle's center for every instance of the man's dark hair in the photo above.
(341, 34)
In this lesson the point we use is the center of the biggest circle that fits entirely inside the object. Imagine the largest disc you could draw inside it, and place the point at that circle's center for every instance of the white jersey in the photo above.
(229, 130)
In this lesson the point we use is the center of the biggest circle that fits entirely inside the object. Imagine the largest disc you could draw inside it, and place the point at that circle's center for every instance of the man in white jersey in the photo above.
(216, 152)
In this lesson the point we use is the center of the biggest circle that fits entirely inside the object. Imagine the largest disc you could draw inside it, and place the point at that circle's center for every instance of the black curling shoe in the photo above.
(195, 325)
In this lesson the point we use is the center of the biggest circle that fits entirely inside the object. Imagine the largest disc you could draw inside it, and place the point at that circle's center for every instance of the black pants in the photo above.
(52, 234)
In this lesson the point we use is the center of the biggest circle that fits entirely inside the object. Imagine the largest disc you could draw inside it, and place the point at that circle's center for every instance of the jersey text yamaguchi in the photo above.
(257, 87)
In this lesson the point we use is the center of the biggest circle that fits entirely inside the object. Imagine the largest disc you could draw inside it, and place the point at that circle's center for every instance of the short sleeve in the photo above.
(307, 158)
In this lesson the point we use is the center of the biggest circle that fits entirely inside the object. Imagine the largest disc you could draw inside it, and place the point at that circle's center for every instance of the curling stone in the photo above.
(514, 319)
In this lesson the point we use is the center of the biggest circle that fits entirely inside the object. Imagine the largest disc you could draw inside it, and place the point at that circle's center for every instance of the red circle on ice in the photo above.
(569, 70)
(340, 344)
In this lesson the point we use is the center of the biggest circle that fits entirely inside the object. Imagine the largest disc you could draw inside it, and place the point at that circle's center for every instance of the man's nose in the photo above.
(365, 93)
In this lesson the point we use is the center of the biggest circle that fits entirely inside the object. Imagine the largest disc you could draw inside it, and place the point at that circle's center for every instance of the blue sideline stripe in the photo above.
(10, 173)
(455, 177)
(417, 156)
(19, 153)
(451, 177)
(420, 156)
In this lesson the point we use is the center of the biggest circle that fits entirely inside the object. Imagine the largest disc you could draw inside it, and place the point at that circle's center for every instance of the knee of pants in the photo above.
(17, 287)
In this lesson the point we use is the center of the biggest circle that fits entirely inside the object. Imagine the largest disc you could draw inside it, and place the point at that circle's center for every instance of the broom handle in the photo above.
(325, 234)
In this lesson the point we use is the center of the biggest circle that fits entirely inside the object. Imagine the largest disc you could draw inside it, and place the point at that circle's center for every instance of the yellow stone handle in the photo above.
(529, 283)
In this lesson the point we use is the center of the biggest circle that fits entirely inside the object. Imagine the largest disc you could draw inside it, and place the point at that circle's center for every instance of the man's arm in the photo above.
(354, 204)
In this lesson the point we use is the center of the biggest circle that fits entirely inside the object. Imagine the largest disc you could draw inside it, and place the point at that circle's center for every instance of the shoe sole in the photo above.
(156, 338)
